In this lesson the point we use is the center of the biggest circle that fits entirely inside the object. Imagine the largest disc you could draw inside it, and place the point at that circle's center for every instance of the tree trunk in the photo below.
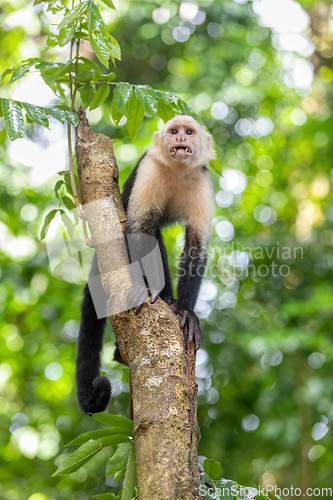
(152, 344)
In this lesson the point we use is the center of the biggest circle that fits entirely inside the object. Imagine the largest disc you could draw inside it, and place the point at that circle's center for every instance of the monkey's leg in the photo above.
(167, 293)
(142, 251)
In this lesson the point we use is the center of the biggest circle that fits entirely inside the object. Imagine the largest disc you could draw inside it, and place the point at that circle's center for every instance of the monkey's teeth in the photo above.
(174, 150)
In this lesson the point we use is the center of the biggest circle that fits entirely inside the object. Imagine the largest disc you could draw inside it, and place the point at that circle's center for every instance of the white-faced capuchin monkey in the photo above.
(169, 184)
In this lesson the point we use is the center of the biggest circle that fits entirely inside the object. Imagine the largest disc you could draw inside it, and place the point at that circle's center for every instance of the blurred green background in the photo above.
(260, 75)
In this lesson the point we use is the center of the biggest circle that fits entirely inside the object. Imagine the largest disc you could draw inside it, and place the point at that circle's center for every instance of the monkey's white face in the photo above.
(181, 140)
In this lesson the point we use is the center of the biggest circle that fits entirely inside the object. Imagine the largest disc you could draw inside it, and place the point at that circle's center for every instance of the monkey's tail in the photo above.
(93, 390)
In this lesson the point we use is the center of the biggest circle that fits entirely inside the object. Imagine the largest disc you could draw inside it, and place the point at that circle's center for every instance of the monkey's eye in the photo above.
(173, 131)
(189, 131)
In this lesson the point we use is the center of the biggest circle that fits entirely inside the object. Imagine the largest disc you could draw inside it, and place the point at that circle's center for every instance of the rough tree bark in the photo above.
(166, 431)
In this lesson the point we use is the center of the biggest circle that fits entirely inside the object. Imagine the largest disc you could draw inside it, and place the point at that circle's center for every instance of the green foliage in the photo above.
(136, 112)
(212, 468)
(147, 96)
(115, 422)
(130, 476)
(122, 96)
(85, 22)
(36, 114)
(13, 119)
(119, 460)
(47, 221)
(104, 46)
(79, 457)
(122, 463)
(224, 489)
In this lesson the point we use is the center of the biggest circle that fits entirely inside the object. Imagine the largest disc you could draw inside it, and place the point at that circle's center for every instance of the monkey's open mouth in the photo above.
(180, 151)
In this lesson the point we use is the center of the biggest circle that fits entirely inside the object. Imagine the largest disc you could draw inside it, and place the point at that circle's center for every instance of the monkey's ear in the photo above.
(157, 137)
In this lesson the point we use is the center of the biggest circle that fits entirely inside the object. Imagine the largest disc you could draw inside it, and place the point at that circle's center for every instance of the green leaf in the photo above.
(207, 479)
(116, 439)
(80, 457)
(227, 487)
(85, 76)
(116, 115)
(61, 115)
(130, 477)
(44, 64)
(212, 468)
(66, 35)
(169, 98)
(8, 71)
(56, 72)
(99, 96)
(122, 95)
(88, 63)
(87, 93)
(36, 114)
(135, 115)
(119, 474)
(68, 223)
(109, 3)
(119, 460)
(70, 205)
(45, 227)
(115, 48)
(114, 421)
(58, 114)
(21, 70)
(13, 119)
(96, 435)
(58, 185)
(98, 35)
(165, 110)
(51, 41)
(72, 117)
(73, 16)
(216, 164)
(147, 96)
(107, 77)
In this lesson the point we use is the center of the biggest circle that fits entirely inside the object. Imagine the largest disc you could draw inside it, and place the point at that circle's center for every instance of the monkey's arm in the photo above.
(191, 270)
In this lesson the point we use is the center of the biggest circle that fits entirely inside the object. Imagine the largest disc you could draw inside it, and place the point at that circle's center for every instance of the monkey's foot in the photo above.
(138, 296)
(190, 320)
(169, 300)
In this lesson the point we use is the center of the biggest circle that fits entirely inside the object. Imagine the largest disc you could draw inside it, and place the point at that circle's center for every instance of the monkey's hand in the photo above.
(189, 319)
